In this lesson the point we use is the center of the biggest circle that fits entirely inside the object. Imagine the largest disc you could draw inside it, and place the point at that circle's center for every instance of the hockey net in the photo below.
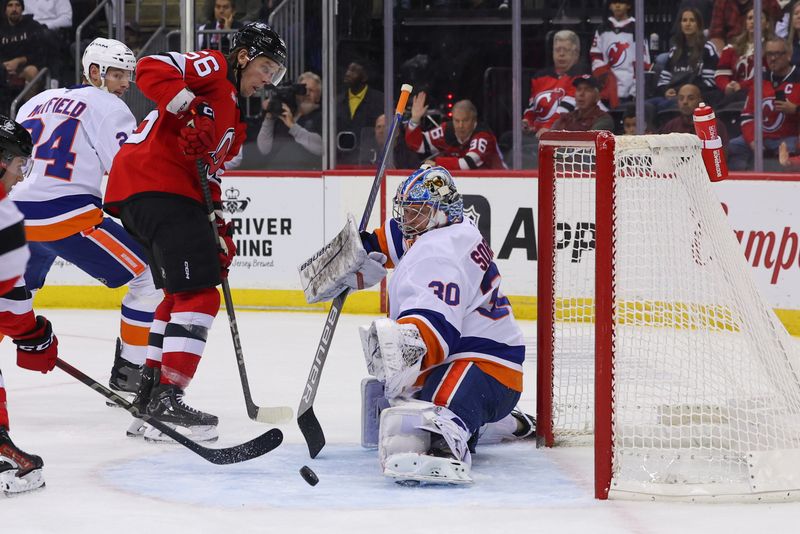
(653, 340)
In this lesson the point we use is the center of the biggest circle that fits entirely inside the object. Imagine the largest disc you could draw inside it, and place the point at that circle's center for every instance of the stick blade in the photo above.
(274, 415)
(312, 431)
(254, 448)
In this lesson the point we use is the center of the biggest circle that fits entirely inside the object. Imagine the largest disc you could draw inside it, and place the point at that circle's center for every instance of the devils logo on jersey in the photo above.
(773, 119)
(617, 53)
(743, 68)
(546, 103)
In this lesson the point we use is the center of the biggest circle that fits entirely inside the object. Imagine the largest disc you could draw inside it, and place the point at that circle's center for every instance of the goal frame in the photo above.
(603, 143)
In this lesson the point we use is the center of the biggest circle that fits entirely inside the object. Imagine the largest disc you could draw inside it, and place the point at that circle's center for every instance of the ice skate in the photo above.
(526, 425)
(150, 377)
(166, 403)
(125, 376)
(20, 472)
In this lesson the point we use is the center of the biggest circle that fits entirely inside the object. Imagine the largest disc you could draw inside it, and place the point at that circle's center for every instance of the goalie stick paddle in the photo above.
(231, 455)
(306, 420)
(262, 414)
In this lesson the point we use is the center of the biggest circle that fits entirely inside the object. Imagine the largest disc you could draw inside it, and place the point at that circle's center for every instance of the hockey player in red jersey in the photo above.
(37, 347)
(459, 144)
(154, 189)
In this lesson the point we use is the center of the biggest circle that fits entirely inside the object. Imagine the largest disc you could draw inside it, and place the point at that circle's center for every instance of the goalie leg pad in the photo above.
(341, 264)
(373, 402)
(393, 354)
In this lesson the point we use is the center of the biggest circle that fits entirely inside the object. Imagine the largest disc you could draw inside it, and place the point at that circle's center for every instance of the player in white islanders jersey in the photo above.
(450, 353)
(76, 133)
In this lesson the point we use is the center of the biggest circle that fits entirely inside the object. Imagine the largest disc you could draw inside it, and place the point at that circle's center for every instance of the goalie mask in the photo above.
(426, 200)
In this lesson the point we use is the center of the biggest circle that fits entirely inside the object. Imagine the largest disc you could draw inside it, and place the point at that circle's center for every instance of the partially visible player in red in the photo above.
(154, 189)
(459, 144)
(37, 347)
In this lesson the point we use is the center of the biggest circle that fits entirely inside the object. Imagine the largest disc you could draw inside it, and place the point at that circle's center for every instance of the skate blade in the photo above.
(199, 434)
(136, 429)
(128, 396)
(412, 469)
(13, 486)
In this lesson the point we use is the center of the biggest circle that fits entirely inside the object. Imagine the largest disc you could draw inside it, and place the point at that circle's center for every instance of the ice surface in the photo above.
(100, 481)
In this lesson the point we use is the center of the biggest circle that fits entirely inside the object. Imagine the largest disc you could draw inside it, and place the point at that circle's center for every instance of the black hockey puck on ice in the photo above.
(309, 475)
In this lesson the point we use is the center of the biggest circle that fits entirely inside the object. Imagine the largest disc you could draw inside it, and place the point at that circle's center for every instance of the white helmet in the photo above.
(107, 53)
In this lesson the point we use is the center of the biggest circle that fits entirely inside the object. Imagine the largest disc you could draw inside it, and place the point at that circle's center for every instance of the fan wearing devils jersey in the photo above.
(37, 347)
(459, 144)
(614, 50)
(76, 133)
(780, 105)
(552, 92)
(154, 188)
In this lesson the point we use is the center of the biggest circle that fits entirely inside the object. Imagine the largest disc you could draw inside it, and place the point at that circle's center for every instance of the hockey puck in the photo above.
(309, 475)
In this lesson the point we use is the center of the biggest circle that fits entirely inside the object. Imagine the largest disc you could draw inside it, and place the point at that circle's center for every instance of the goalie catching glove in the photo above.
(341, 264)
(393, 352)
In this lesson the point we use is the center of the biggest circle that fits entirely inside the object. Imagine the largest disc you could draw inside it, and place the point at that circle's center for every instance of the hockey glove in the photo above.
(37, 350)
(197, 137)
(227, 248)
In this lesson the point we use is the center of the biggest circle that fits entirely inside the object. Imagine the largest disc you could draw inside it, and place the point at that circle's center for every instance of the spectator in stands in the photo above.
(54, 14)
(587, 114)
(223, 19)
(734, 75)
(402, 157)
(629, 119)
(780, 108)
(691, 60)
(293, 138)
(552, 92)
(793, 33)
(20, 47)
(613, 53)
(461, 143)
(357, 109)
(689, 97)
(728, 19)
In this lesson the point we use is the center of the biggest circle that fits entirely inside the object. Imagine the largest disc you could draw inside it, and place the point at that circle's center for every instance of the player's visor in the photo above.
(272, 69)
(18, 165)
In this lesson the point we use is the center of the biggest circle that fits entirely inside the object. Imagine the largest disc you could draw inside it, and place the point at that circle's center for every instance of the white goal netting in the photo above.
(706, 387)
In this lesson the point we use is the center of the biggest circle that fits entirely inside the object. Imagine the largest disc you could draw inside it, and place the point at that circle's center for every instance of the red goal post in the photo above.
(653, 342)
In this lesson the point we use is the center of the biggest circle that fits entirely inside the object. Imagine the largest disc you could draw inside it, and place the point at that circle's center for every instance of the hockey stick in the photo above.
(262, 414)
(230, 455)
(306, 420)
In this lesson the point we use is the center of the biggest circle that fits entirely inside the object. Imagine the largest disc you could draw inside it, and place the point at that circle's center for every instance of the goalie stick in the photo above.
(262, 414)
(306, 420)
(230, 455)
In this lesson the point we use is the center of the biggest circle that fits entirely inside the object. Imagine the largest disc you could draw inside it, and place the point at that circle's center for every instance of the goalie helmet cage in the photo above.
(653, 340)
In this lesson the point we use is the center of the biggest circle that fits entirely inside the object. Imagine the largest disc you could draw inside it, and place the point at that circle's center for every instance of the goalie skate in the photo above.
(20, 472)
(413, 469)
(168, 406)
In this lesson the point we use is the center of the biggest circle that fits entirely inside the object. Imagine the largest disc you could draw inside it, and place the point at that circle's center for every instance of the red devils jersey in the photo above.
(552, 95)
(16, 311)
(734, 68)
(777, 125)
(480, 151)
(150, 161)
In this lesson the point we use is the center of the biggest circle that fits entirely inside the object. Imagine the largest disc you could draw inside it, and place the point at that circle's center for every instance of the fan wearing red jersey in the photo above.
(459, 144)
(37, 347)
(161, 203)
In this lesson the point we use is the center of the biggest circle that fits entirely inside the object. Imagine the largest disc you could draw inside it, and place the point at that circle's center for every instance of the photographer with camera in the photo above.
(292, 127)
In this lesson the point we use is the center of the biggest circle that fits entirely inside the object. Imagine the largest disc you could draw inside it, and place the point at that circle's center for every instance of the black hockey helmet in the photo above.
(14, 139)
(261, 40)
(15, 142)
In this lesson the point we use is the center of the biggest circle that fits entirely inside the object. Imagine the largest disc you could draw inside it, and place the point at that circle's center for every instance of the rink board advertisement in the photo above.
(280, 220)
